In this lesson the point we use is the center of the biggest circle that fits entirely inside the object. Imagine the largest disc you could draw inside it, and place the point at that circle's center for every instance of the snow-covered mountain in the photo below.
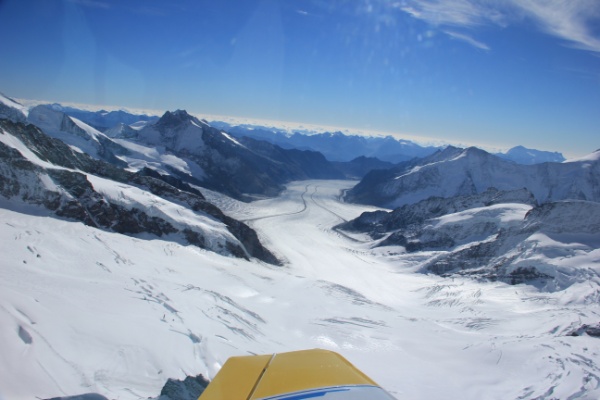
(335, 146)
(102, 119)
(458, 172)
(12, 110)
(467, 212)
(495, 235)
(339, 147)
(190, 149)
(41, 171)
(523, 155)
(228, 165)
(72, 131)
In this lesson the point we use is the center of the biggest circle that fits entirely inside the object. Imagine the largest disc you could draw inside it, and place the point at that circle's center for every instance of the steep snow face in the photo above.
(78, 135)
(92, 311)
(467, 173)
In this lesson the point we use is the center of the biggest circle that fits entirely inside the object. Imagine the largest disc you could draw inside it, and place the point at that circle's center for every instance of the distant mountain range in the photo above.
(340, 147)
(335, 146)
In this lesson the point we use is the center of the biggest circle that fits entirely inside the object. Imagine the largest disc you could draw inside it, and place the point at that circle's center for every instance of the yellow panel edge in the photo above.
(237, 378)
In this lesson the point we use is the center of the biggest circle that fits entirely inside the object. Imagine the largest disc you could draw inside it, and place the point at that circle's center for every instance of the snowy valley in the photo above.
(140, 254)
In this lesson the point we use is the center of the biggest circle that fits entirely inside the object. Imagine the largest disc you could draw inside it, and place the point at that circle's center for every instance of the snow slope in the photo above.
(57, 124)
(91, 311)
(12, 110)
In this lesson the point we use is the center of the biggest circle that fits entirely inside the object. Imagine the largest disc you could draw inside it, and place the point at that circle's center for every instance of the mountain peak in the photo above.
(523, 155)
(180, 112)
(475, 151)
(175, 118)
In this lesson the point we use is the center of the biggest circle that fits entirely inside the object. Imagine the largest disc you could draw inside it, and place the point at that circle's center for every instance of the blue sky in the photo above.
(481, 72)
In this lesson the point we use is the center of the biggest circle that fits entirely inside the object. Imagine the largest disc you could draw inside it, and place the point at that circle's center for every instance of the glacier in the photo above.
(89, 311)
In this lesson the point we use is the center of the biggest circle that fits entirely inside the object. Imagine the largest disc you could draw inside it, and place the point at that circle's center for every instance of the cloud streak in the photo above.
(457, 13)
(569, 20)
(468, 39)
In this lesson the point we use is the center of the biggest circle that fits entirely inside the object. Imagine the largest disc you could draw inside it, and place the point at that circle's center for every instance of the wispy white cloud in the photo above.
(458, 13)
(455, 15)
(468, 39)
(570, 20)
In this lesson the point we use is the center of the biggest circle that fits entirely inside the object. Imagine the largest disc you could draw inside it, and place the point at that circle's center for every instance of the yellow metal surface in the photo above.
(307, 369)
(237, 378)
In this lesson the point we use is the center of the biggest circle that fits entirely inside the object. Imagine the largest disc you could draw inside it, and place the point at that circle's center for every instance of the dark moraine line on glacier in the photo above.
(335, 229)
(312, 197)
(304, 206)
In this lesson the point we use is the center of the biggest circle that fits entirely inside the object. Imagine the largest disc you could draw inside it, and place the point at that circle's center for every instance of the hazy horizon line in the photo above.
(292, 126)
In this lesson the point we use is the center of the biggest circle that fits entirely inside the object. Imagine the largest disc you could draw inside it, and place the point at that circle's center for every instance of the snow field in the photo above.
(82, 310)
